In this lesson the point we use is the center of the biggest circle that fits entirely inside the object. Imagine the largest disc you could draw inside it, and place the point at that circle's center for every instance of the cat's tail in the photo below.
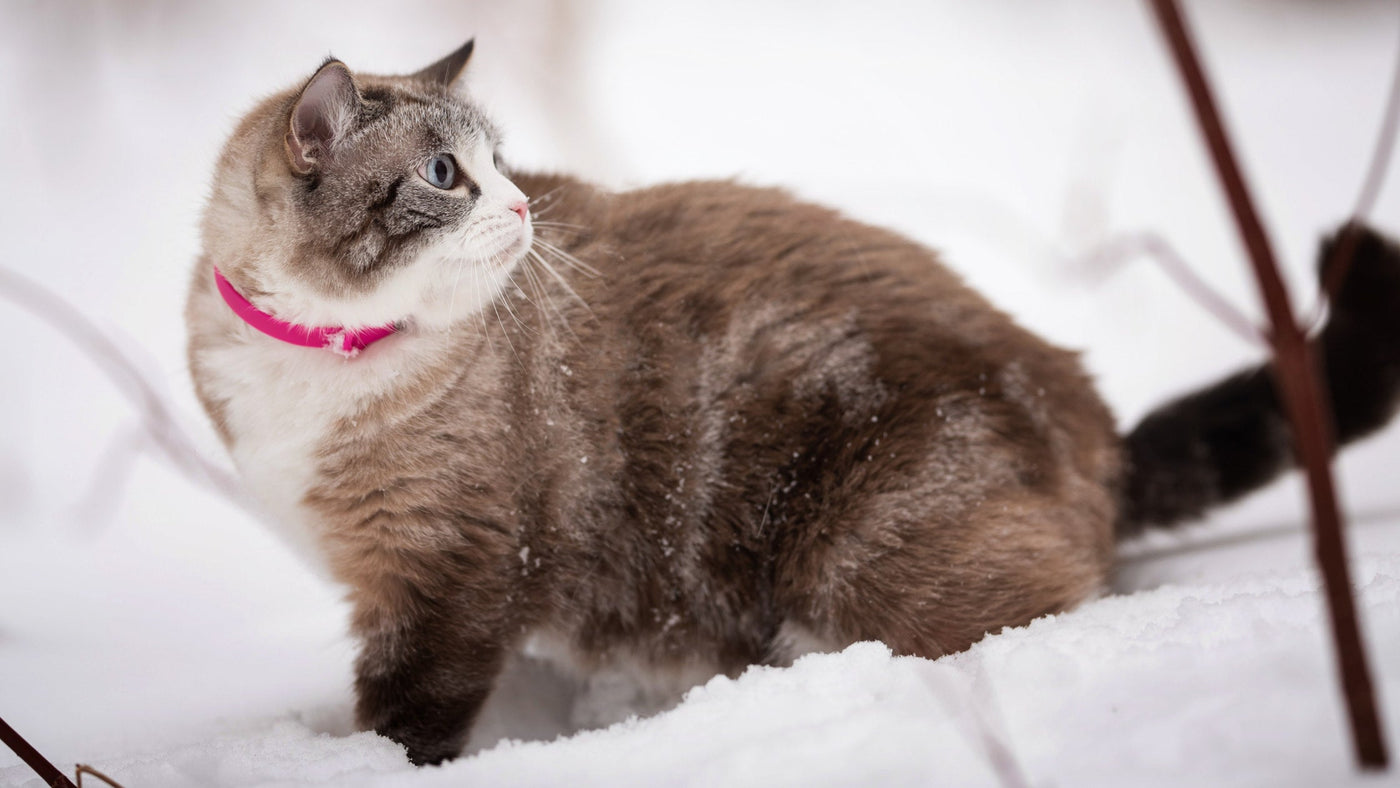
(1219, 443)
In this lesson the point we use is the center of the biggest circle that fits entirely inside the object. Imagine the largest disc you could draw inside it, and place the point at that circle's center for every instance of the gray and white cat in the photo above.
(684, 429)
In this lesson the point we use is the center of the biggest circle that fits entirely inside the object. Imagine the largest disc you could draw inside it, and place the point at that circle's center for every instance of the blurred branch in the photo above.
(1340, 260)
(156, 415)
(1255, 533)
(1295, 373)
(1120, 249)
(962, 707)
(158, 423)
(83, 769)
(113, 472)
(1159, 250)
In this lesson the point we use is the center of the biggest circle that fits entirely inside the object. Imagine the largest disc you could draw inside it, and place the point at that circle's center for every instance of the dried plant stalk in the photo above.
(1295, 366)
(31, 757)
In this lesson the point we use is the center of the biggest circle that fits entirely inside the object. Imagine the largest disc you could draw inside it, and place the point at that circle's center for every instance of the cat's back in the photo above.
(765, 362)
(720, 248)
(701, 263)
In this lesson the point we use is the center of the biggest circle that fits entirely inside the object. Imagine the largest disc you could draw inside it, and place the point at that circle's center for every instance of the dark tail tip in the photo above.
(1361, 343)
(1219, 443)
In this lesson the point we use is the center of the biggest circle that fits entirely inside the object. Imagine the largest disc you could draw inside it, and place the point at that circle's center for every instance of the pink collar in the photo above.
(344, 342)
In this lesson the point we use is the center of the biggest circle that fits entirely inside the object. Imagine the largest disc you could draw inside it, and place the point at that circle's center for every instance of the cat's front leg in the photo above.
(421, 678)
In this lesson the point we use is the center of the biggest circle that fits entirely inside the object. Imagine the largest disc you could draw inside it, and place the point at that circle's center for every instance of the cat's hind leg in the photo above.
(934, 586)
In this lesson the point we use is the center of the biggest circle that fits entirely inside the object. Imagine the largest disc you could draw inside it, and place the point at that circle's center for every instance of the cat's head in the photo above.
(359, 200)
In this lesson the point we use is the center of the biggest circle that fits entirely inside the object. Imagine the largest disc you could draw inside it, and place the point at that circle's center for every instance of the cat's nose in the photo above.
(522, 209)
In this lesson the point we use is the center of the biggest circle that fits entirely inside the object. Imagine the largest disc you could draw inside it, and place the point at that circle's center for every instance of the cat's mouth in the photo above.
(511, 244)
(465, 271)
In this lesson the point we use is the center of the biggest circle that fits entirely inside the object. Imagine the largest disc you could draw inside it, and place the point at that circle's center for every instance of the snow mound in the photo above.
(1181, 685)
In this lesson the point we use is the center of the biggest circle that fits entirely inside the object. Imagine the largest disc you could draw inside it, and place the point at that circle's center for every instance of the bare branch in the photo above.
(1295, 373)
(1154, 247)
(31, 757)
(964, 707)
(83, 769)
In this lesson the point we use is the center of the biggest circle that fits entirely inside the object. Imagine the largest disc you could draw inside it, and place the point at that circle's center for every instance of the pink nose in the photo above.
(522, 209)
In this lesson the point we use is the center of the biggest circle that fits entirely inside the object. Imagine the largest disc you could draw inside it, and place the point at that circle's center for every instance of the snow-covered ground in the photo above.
(157, 631)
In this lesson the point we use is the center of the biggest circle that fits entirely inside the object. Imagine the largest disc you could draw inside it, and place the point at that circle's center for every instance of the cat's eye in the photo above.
(440, 171)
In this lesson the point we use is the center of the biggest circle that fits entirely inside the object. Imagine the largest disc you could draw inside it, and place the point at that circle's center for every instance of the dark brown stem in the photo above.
(83, 769)
(1295, 371)
(41, 766)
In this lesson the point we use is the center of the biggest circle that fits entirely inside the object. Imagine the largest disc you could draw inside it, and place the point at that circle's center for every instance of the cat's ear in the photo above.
(446, 71)
(323, 114)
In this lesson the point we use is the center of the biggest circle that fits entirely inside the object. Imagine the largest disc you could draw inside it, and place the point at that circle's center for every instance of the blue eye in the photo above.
(440, 171)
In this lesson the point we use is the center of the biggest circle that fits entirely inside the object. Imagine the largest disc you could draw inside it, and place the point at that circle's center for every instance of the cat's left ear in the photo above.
(322, 116)
(446, 71)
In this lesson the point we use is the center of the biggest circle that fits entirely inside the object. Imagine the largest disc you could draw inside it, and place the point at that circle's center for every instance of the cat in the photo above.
(682, 430)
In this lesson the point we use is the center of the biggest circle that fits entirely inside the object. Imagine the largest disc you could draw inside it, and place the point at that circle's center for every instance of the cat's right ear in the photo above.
(446, 71)
(322, 116)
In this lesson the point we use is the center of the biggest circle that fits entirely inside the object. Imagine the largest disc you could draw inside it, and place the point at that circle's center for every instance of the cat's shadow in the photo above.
(533, 701)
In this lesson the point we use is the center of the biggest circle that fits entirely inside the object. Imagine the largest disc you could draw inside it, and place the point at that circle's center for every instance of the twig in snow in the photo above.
(31, 757)
(998, 752)
(83, 769)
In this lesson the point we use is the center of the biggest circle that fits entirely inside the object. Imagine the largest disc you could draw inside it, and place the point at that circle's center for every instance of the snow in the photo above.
(162, 634)
(1079, 698)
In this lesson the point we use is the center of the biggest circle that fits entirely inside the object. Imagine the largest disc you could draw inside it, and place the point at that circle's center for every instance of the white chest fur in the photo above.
(281, 405)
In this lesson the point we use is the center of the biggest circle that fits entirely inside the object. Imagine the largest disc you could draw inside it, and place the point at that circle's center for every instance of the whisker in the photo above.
(533, 285)
(480, 311)
(495, 307)
(564, 283)
(559, 225)
(505, 297)
(548, 303)
(544, 198)
(567, 259)
(456, 282)
(532, 279)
